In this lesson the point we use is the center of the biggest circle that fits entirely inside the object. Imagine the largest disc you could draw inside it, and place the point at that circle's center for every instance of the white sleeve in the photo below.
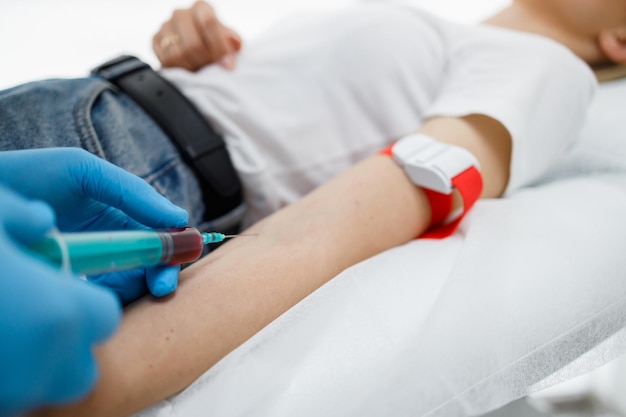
(535, 87)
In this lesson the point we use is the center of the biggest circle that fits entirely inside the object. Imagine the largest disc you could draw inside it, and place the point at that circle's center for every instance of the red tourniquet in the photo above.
(469, 183)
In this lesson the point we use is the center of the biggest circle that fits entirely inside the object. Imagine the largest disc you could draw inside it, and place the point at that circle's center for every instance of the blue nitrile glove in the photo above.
(88, 193)
(49, 319)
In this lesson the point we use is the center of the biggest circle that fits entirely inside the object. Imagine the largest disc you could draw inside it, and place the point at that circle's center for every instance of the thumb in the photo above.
(162, 280)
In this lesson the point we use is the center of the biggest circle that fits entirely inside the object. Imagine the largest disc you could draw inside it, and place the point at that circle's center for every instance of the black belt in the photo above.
(200, 146)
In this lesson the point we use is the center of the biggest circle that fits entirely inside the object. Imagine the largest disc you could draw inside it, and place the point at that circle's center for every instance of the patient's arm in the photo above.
(224, 299)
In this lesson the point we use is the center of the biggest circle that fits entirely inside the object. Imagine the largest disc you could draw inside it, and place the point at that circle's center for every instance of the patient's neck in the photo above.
(518, 17)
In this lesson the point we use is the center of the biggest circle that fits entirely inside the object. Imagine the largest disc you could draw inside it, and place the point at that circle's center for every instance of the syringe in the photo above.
(99, 252)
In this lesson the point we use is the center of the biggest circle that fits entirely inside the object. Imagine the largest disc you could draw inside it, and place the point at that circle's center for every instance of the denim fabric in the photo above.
(92, 114)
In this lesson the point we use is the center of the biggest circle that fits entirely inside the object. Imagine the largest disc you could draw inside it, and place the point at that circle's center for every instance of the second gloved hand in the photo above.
(50, 321)
(88, 193)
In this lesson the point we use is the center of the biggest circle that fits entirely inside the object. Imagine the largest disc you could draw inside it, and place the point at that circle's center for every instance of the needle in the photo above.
(216, 237)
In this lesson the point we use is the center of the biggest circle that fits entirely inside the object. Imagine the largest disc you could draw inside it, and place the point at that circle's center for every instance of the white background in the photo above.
(61, 38)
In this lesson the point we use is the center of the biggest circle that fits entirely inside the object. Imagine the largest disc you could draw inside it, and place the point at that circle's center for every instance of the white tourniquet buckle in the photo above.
(432, 164)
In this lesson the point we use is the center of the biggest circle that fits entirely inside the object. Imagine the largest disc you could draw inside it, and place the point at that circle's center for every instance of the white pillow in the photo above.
(601, 148)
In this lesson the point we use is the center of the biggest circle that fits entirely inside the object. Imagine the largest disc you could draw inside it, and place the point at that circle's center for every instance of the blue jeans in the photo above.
(94, 115)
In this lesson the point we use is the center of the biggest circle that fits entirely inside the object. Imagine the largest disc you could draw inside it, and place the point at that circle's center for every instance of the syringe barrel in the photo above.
(181, 245)
(100, 252)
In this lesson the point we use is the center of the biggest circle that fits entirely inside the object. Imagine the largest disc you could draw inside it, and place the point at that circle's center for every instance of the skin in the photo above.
(595, 30)
(194, 37)
(164, 345)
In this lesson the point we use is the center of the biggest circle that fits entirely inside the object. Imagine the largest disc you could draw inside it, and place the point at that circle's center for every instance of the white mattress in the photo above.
(529, 292)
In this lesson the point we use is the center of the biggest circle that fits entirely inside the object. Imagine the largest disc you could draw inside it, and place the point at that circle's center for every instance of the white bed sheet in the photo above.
(530, 292)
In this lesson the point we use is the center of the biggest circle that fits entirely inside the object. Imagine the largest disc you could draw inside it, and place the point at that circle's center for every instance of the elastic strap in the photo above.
(469, 183)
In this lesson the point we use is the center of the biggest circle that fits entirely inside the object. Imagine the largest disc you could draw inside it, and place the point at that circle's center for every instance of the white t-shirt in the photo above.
(319, 92)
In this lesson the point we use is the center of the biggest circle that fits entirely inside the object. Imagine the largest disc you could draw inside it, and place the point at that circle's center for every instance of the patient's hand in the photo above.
(194, 37)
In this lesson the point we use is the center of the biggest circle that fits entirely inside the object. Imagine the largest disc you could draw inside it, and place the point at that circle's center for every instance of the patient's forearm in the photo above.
(224, 299)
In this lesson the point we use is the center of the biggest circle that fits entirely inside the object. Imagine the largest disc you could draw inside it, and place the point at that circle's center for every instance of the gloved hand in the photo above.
(49, 320)
(88, 193)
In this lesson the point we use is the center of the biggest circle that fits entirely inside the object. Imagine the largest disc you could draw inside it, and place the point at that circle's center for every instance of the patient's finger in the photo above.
(156, 39)
(229, 60)
(163, 44)
(191, 45)
(233, 38)
(213, 33)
